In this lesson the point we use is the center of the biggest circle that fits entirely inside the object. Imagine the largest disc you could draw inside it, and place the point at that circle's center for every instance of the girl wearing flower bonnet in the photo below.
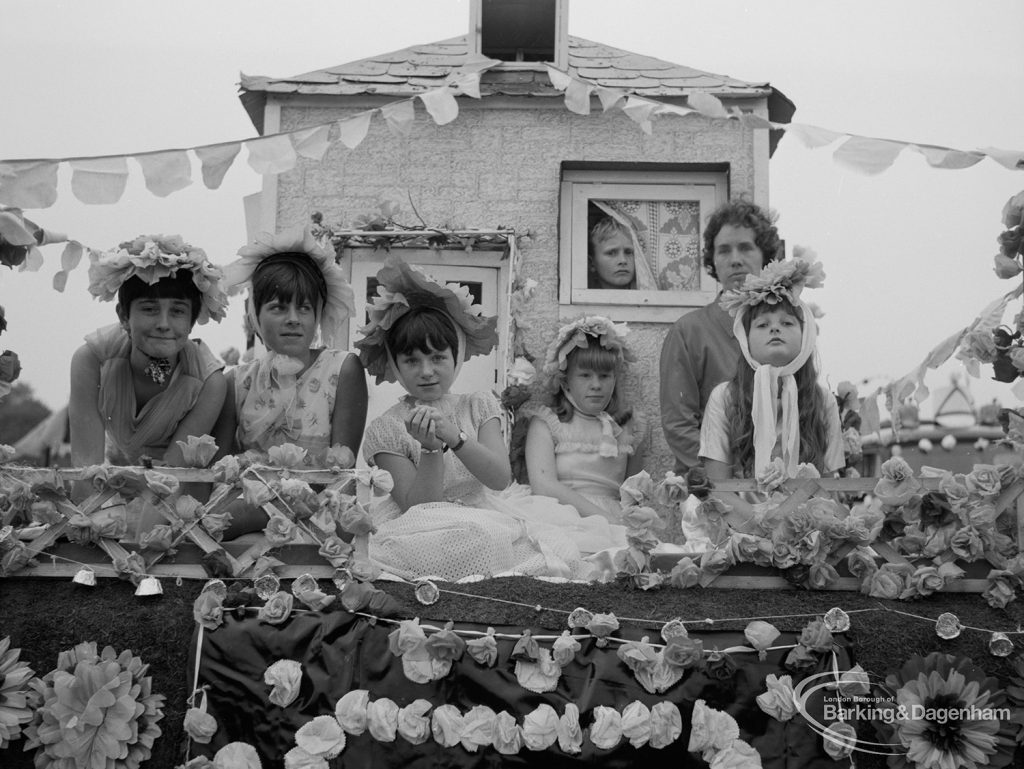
(449, 513)
(581, 448)
(139, 386)
(298, 391)
(773, 416)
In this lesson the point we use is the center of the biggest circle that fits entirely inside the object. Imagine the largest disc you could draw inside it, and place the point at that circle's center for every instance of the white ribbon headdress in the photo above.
(777, 281)
(340, 302)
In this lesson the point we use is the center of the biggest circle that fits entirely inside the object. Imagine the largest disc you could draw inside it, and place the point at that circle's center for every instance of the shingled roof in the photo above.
(412, 70)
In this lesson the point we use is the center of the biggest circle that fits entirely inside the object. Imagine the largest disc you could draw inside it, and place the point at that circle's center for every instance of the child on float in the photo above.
(300, 392)
(774, 407)
(449, 513)
(582, 447)
(141, 385)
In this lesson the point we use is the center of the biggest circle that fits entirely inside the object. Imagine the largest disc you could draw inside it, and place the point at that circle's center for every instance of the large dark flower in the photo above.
(929, 694)
(936, 510)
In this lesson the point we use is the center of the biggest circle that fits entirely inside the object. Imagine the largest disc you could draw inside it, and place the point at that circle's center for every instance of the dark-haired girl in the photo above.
(142, 385)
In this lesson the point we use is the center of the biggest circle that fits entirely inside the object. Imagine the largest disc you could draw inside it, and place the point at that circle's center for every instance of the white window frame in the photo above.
(579, 187)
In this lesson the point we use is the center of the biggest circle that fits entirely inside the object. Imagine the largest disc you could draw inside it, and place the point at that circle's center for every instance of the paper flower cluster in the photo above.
(152, 257)
(777, 281)
(582, 333)
(97, 709)
(17, 694)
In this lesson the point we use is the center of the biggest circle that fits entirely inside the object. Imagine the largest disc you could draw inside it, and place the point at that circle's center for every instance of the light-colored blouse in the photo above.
(132, 432)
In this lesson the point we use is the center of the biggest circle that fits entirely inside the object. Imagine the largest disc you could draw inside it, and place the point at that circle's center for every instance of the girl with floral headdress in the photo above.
(140, 386)
(774, 415)
(449, 513)
(584, 446)
(294, 392)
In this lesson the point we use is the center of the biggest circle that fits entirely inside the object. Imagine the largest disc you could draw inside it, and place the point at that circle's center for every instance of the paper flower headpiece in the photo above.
(152, 257)
(582, 332)
(777, 281)
(340, 302)
(403, 287)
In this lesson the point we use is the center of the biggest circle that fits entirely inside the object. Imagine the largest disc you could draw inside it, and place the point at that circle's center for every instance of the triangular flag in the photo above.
(216, 160)
(639, 111)
(577, 97)
(399, 116)
(867, 155)
(559, 79)
(440, 104)
(71, 255)
(33, 260)
(1012, 159)
(944, 157)
(674, 109)
(165, 172)
(312, 143)
(271, 154)
(352, 131)
(812, 136)
(99, 180)
(28, 184)
(707, 104)
(467, 83)
(610, 97)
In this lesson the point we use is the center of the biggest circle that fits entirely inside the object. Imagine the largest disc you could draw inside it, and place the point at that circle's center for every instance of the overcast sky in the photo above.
(908, 253)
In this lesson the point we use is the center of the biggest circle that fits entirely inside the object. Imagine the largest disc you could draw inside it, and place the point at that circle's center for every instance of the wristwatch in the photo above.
(461, 442)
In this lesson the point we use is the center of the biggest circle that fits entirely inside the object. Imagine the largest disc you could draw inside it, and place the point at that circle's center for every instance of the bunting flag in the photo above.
(102, 180)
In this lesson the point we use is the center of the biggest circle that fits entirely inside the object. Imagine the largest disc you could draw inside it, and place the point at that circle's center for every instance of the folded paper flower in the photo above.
(445, 645)
(508, 735)
(208, 609)
(413, 722)
(277, 609)
(660, 676)
(778, 701)
(256, 492)
(350, 711)
(323, 736)
(297, 758)
(636, 723)
(478, 728)
(564, 648)
(446, 724)
(739, 755)
(526, 648)
(570, 735)
(285, 676)
(16, 693)
(606, 731)
(602, 625)
(711, 729)
(854, 682)
(761, 635)
(539, 676)
(666, 724)
(839, 739)
(197, 450)
(540, 728)
(484, 649)
(382, 719)
(287, 455)
(237, 755)
(200, 725)
(409, 642)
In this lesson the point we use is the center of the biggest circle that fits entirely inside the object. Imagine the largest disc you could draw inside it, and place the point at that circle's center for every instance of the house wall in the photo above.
(498, 164)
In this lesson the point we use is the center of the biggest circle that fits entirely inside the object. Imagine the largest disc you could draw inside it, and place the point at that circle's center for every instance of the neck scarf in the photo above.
(773, 383)
(263, 416)
(609, 429)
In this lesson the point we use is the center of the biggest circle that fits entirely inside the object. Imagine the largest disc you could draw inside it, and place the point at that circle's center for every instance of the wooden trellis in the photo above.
(55, 557)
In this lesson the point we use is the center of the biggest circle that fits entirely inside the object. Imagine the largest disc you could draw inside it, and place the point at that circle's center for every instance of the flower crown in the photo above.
(403, 287)
(340, 302)
(581, 333)
(777, 281)
(151, 258)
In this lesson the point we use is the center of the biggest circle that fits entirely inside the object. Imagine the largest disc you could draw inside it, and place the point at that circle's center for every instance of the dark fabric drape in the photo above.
(340, 652)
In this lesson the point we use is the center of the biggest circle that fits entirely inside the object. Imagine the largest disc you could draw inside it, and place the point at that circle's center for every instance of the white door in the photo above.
(478, 373)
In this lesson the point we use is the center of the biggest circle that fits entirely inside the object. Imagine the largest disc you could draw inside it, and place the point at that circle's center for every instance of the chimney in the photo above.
(520, 33)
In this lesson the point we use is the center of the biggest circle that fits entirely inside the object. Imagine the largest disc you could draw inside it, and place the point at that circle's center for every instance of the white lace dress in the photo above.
(474, 530)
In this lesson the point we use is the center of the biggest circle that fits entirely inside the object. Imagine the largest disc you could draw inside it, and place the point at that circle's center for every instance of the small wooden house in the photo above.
(518, 161)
